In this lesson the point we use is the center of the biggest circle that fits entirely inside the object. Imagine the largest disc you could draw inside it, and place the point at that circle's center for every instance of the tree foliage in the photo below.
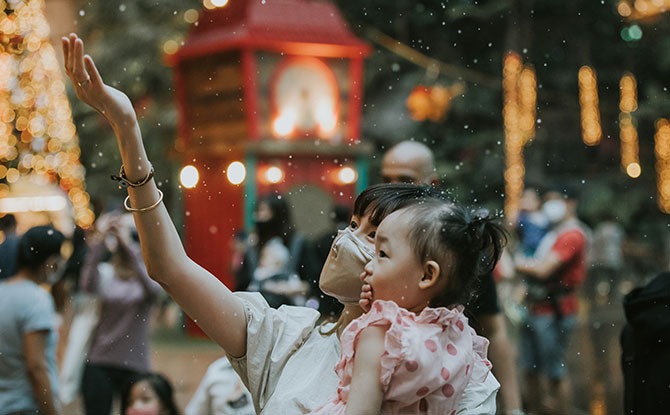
(556, 38)
(470, 37)
(126, 40)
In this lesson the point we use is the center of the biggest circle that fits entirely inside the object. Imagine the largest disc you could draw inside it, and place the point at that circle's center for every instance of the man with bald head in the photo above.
(409, 162)
(414, 162)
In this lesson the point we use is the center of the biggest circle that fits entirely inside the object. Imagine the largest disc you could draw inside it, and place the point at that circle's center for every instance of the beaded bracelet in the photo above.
(126, 204)
(124, 182)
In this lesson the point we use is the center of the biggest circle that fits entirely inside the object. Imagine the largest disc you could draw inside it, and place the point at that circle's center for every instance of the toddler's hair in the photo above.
(464, 243)
(380, 200)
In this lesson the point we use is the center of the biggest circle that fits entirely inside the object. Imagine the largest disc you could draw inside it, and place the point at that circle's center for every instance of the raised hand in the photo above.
(89, 87)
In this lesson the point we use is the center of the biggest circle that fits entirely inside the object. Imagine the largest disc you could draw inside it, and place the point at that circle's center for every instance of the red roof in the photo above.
(293, 26)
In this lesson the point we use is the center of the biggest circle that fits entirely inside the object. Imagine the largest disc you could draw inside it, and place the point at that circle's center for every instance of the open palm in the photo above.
(89, 86)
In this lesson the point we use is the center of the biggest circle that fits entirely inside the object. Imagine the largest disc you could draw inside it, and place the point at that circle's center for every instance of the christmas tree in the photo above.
(38, 139)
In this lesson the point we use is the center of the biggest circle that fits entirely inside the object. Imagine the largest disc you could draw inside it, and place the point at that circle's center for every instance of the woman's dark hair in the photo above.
(159, 383)
(466, 244)
(383, 199)
(37, 245)
(280, 224)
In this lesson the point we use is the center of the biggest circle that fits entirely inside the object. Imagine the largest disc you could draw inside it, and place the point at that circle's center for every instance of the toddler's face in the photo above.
(395, 271)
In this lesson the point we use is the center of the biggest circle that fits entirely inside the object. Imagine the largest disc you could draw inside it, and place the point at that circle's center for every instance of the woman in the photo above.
(28, 333)
(120, 343)
(278, 262)
(297, 357)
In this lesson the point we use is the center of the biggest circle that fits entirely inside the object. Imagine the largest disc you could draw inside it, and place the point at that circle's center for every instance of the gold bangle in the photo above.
(144, 209)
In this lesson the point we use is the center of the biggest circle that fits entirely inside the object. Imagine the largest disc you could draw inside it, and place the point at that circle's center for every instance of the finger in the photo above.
(92, 70)
(78, 64)
(71, 57)
(65, 44)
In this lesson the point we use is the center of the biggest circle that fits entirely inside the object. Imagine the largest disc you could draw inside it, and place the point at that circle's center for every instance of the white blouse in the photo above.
(289, 367)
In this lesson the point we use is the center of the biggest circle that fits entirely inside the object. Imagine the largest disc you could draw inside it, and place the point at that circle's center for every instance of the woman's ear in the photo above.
(431, 273)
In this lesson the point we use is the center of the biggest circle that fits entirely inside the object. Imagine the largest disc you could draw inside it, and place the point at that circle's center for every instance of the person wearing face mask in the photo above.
(148, 394)
(278, 262)
(554, 275)
(114, 271)
(284, 356)
(28, 333)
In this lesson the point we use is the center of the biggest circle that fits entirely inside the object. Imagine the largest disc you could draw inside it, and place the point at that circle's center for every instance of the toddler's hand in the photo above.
(365, 301)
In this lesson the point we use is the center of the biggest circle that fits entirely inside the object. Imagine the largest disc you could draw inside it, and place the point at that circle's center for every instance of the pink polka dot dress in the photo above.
(427, 363)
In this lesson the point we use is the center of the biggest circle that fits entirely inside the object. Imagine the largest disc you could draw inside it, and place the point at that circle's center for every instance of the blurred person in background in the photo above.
(531, 224)
(148, 394)
(409, 162)
(553, 276)
(9, 246)
(278, 262)
(28, 331)
(221, 392)
(414, 162)
(114, 271)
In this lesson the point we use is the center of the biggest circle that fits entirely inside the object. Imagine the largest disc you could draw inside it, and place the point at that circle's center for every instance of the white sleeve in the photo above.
(273, 335)
(479, 398)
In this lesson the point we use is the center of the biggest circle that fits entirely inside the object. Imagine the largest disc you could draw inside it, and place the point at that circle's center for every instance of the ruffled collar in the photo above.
(429, 315)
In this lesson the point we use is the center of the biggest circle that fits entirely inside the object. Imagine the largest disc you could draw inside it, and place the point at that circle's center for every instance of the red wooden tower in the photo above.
(269, 98)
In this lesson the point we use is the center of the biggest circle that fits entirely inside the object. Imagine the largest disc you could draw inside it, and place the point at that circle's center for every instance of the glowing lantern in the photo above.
(431, 102)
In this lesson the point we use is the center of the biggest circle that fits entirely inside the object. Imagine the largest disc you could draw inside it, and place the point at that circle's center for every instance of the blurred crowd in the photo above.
(558, 276)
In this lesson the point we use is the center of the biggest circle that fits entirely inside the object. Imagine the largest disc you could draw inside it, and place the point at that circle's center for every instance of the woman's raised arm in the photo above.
(201, 295)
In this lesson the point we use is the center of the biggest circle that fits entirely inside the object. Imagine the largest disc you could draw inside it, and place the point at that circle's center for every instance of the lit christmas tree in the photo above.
(38, 139)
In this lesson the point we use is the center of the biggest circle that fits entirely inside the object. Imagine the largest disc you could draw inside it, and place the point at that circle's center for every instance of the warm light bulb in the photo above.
(347, 175)
(274, 174)
(189, 176)
(236, 172)
(213, 4)
(634, 170)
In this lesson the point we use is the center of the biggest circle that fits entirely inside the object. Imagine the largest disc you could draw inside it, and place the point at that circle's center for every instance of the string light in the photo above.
(628, 89)
(630, 147)
(514, 163)
(527, 85)
(641, 9)
(588, 103)
(37, 135)
(662, 151)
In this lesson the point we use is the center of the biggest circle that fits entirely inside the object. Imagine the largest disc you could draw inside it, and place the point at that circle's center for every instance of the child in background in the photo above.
(413, 352)
(148, 394)
(532, 224)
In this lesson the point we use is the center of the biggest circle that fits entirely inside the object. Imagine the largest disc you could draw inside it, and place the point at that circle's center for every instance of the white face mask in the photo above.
(53, 271)
(555, 210)
(343, 267)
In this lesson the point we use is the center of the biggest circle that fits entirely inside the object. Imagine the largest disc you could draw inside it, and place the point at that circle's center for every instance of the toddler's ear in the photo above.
(431, 273)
